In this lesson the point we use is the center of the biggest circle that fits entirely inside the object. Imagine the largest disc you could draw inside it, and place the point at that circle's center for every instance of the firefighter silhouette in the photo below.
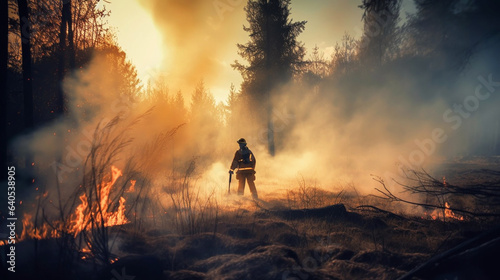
(245, 161)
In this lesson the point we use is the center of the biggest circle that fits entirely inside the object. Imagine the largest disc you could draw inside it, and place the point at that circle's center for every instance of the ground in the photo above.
(272, 240)
(259, 245)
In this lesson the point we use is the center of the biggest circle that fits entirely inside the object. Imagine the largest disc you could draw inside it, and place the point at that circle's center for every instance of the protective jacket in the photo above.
(244, 160)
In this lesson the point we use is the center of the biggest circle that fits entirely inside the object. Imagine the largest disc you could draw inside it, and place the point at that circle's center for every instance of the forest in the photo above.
(379, 158)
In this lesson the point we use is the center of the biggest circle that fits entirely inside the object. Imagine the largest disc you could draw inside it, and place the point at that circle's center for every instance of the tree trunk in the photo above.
(26, 63)
(65, 34)
(4, 43)
(268, 85)
(71, 42)
(270, 129)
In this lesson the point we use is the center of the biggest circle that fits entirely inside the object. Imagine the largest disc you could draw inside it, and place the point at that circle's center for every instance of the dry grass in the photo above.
(368, 244)
(255, 244)
(192, 236)
(191, 210)
(308, 194)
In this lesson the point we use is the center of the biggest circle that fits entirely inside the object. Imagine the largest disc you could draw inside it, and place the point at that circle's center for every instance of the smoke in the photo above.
(158, 137)
(335, 133)
(60, 150)
(198, 34)
(381, 124)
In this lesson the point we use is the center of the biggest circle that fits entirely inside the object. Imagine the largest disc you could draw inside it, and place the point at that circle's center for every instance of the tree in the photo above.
(65, 49)
(380, 38)
(318, 64)
(344, 57)
(178, 106)
(273, 54)
(202, 104)
(317, 67)
(120, 73)
(88, 26)
(24, 17)
(231, 113)
(4, 56)
(59, 44)
(205, 122)
(450, 32)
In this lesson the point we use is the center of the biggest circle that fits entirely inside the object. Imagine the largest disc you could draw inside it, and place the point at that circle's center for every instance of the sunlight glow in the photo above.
(138, 36)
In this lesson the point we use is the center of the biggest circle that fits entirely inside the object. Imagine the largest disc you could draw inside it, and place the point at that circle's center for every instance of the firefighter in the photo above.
(245, 161)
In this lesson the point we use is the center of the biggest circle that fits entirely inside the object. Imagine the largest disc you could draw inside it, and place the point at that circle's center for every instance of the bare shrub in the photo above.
(194, 211)
(307, 195)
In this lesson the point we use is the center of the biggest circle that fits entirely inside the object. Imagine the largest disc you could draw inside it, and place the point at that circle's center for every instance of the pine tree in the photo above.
(380, 38)
(273, 54)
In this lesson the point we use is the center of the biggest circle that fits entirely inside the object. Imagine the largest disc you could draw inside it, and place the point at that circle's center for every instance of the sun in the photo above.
(138, 36)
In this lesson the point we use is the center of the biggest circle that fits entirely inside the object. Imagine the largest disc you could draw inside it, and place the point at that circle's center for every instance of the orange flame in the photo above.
(132, 186)
(438, 214)
(78, 223)
(449, 214)
(32, 232)
(84, 213)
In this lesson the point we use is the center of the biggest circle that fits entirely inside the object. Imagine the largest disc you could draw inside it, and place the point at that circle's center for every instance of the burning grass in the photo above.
(83, 215)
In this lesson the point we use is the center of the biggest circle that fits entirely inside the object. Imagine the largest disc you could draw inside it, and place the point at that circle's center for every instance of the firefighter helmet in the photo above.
(242, 141)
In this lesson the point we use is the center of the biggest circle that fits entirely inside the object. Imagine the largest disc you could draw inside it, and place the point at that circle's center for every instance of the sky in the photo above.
(188, 41)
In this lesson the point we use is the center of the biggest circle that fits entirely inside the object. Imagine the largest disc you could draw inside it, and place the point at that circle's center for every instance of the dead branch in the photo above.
(424, 183)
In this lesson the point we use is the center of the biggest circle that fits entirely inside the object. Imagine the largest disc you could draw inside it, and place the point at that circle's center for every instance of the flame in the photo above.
(439, 214)
(132, 186)
(449, 214)
(118, 217)
(83, 214)
(78, 223)
(86, 252)
(32, 232)
(447, 211)
(433, 215)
